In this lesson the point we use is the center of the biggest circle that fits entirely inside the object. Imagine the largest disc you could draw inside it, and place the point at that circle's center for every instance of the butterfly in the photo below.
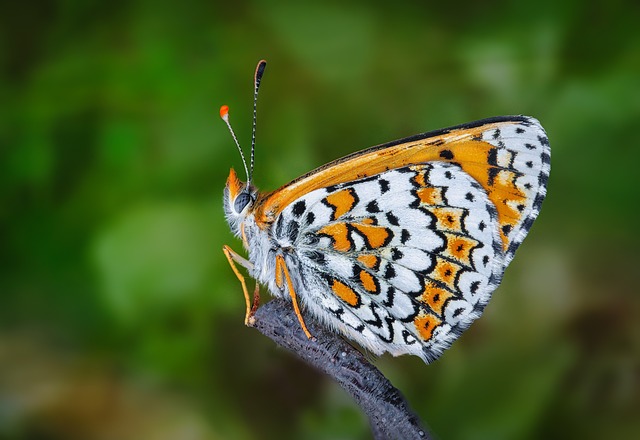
(398, 247)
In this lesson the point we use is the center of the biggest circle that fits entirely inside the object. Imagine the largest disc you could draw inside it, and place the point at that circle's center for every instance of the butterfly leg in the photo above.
(256, 303)
(234, 258)
(281, 270)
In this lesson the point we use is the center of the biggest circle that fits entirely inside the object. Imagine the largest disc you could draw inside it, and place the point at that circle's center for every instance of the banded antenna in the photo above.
(224, 114)
(262, 64)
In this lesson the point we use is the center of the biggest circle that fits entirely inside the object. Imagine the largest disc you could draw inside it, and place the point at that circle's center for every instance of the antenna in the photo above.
(224, 114)
(262, 64)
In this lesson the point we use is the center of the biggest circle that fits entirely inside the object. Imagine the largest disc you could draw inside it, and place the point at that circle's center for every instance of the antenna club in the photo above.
(224, 113)
(262, 64)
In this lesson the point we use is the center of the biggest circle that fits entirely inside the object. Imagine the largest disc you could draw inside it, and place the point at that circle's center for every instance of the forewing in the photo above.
(508, 156)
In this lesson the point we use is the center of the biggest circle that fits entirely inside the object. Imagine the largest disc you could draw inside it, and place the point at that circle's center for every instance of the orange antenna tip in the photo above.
(224, 112)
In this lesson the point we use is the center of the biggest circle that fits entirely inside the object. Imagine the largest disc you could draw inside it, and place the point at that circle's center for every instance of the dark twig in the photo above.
(388, 412)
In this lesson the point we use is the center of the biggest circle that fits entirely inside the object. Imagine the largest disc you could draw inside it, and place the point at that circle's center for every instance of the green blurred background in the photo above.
(119, 316)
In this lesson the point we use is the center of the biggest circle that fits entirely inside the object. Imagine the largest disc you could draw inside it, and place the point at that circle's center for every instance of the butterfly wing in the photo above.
(401, 246)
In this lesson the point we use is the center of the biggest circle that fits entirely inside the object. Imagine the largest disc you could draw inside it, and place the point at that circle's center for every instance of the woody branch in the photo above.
(386, 408)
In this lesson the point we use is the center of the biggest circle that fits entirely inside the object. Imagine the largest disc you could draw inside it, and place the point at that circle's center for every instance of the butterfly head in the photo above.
(239, 198)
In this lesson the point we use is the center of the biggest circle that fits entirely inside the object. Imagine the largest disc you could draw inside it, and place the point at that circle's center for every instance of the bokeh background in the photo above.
(119, 316)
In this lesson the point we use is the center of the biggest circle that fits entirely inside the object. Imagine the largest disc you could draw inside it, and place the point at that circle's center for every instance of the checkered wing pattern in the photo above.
(405, 260)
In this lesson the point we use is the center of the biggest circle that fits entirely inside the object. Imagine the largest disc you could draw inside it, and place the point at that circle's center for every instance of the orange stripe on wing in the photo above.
(368, 282)
(460, 247)
(431, 195)
(369, 260)
(434, 296)
(376, 236)
(345, 293)
(448, 219)
(341, 201)
(339, 234)
(445, 272)
(505, 196)
(425, 325)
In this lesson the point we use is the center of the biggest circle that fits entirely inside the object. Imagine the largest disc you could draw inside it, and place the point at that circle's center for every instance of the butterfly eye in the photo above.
(241, 202)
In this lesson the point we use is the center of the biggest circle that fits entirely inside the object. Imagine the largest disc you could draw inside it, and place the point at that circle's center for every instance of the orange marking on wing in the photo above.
(376, 236)
(500, 188)
(368, 221)
(466, 148)
(369, 260)
(419, 179)
(448, 219)
(425, 325)
(234, 184)
(339, 234)
(460, 248)
(431, 195)
(343, 201)
(445, 272)
(434, 296)
(505, 200)
(345, 293)
(368, 282)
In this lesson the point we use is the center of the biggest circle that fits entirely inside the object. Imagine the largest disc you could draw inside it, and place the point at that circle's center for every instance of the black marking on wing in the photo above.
(377, 322)
(544, 140)
(396, 254)
(446, 154)
(384, 185)
(299, 208)
(292, 231)
(310, 217)
(391, 292)
(372, 207)
(316, 256)
(280, 226)
(392, 218)
(389, 272)
(408, 338)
